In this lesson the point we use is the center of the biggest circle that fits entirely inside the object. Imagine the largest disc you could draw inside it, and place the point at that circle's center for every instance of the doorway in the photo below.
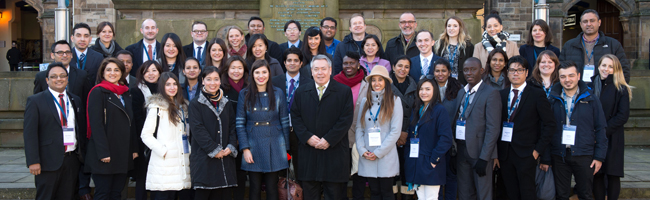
(609, 16)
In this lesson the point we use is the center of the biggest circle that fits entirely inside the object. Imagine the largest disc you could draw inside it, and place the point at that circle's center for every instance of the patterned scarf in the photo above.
(499, 39)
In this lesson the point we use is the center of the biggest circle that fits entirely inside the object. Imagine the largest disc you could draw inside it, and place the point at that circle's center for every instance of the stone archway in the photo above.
(626, 8)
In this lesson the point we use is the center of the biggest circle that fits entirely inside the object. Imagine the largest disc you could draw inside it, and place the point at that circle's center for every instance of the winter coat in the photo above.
(395, 49)
(574, 51)
(482, 54)
(348, 44)
(169, 166)
(99, 49)
(376, 61)
(463, 54)
(531, 54)
(408, 99)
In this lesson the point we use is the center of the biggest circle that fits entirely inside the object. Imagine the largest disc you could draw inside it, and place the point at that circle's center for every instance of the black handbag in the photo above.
(147, 150)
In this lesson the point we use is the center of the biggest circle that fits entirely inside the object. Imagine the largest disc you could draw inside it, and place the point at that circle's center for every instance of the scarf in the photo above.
(117, 89)
(108, 51)
(500, 39)
(236, 86)
(350, 82)
(598, 84)
(241, 52)
(214, 99)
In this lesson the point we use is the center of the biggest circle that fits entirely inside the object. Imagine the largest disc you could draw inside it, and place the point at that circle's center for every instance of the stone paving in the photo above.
(17, 183)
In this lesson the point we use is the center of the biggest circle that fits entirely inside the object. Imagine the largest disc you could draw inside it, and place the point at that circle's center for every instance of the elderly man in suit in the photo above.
(147, 48)
(321, 115)
(83, 57)
(52, 136)
(477, 132)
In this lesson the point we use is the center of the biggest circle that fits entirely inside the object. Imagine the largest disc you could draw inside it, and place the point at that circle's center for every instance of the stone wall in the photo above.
(517, 16)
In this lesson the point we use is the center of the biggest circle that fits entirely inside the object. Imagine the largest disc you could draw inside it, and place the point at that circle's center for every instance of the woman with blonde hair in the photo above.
(236, 43)
(615, 96)
(455, 45)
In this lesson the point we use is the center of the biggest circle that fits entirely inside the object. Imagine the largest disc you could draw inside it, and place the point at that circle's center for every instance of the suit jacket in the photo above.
(78, 84)
(43, 133)
(483, 123)
(93, 60)
(330, 119)
(416, 67)
(189, 52)
(137, 49)
(280, 81)
(534, 111)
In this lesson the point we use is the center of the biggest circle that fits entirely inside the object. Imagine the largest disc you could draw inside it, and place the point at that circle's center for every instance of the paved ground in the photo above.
(17, 183)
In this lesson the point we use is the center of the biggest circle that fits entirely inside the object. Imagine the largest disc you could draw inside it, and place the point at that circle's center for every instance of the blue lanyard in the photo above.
(173, 66)
(592, 51)
(290, 94)
(512, 109)
(67, 108)
(462, 115)
(536, 54)
(374, 118)
(188, 91)
(422, 110)
(548, 91)
(147, 52)
(182, 116)
(83, 66)
(451, 59)
(568, 111)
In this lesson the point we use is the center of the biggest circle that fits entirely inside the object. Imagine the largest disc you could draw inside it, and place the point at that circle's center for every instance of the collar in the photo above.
(576, 95)
(590, 41)
(202, 46)
(520, 88)
(80, 52)
(152, 44)
(56, 94)
(334, 43)
(294, 78)
(474, 89)
(295, 44)
(428, 58)
(373, 61)
(326, 85)
(445, 86)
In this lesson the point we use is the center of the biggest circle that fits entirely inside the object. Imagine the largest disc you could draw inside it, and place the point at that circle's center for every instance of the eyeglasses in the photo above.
(292, 29)
(63, 53)
(199, 31)
(328, 27)
(62, 76)
(516, 71)
(406, 22)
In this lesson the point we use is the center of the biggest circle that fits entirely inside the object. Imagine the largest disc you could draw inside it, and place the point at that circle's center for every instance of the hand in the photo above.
(135, 155)
(544, 167)
(226, 151)
(402, 139)
(432, 165)
(35, 169)
(597, 164)
(496, 164)
(106, 160)
(480, 167)
(322, 144)
(248, 157)
(219, 155)
(535, 154)
(313, 141)
(366, 155)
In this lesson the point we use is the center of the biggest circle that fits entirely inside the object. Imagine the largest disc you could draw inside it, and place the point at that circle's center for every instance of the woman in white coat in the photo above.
(378, 127)
(168, 174)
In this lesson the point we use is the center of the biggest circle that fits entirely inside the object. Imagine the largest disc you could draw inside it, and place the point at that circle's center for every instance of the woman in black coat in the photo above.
(214, 140)
(105, 42)
(455, 45)
(539, 39)
(111, 145)
(615, 95)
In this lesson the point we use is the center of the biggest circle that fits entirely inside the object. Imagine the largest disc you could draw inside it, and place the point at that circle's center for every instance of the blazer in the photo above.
(416, 67)
(330, 118)
(77, 84)
(43, 134)
(483, 125)
(189, 52)
(137, 49)
(482, 54)
(284, 46)
(93, 60)
(534, 111)
(435, 140)
(280, 81)
(530, 54)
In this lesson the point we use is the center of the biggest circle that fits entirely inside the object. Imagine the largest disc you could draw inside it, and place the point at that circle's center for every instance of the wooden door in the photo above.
(610, 24)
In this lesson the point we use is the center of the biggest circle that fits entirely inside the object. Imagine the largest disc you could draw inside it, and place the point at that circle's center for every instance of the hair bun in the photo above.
(494, 12)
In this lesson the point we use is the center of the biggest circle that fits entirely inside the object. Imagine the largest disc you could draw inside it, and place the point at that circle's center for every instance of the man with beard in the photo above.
(404, 43)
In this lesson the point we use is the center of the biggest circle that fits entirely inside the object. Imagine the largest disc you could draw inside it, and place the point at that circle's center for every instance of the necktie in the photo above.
(512, 103)
(292, 46)
(64, 120)
(291, 88)
(320, 92)
(150, 52)
(425, 67)
(199, 56)
(82, 57)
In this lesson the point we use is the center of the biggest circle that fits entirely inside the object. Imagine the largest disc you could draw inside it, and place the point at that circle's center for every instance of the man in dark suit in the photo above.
(83, 57)
(321, 115)
(256, 26)
(198, 47)
(289, 83)
(477, 132)
(53, 136)
(127, 58)
(422, 64)
(524, 110)
(77, 79)
(292, 31)
(147, 48)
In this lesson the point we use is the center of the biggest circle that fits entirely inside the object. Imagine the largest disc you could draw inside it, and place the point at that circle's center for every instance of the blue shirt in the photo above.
(294, 44)
(330, 49)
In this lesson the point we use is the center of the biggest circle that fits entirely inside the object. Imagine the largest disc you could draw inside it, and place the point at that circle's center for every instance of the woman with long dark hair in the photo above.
(263, 131)
(494, 38)
(455, 45)
(315, 44)
(495, 72)
(174, 57)
(258, 47)
(218, 53)
(540, 38)
(371, 54)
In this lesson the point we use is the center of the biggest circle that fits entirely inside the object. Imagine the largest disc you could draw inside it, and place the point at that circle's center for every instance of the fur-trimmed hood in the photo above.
(157, 100)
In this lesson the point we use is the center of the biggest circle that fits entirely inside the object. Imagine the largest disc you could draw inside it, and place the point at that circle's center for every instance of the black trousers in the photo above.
(141, 165)
(13, 67)
(519, 176)
(59, 184)
(109, 186)
(312, 190)
(237, 193)
(577, 166)
(358, 187)
(255, 190)
(610, 188)
(211, 194)
(173, 195)
(381, 188)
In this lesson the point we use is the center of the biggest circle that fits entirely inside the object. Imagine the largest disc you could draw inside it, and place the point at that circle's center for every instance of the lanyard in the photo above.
(536, 54)
(592, 50)
(67, 108)
(568, 111)
(290, 94)
(422, 110)
(147, 52)
(183, 117)
(462, 115)
(512, 109)
(374, 118)
(172, 67)
(548, 91)
(453, 56)
(188, 91)
(83, 66)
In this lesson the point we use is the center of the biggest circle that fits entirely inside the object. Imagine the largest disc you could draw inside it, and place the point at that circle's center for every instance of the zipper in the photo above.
(127, 115)
(104, 116)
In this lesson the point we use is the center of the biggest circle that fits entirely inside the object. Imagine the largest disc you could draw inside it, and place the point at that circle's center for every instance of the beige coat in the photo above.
(479, 51)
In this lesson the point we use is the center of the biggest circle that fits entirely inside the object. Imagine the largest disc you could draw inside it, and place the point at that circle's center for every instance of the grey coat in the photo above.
(387, 163)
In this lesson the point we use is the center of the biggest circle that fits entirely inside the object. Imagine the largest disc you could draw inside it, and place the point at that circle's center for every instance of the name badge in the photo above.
(374, 137)
(587, 73)
(187, 126)
(506, 133)
(460, 130)
(569, 134)
(68, 136)
(415, 147)
(186, 144)
(454, 75)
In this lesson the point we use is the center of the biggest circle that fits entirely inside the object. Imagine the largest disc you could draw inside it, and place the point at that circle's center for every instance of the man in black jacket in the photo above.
(351, 42)
(53, 136)
(198, 47)
(256, 26)
(13, 56)
(83, 57)
(524, 110)
(147, 48)
(403, 44)
(590, 45)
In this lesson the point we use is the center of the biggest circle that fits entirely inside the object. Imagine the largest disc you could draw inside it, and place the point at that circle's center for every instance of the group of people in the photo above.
(198, 121)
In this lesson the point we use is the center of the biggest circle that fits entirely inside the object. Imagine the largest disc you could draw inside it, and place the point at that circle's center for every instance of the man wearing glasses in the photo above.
(256, 26)
(77, 82)
(328, 27)
(197, 48)
(404, 43)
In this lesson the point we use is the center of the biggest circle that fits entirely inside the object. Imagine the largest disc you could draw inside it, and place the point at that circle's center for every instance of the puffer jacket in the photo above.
(169, 167)
(573, 50)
